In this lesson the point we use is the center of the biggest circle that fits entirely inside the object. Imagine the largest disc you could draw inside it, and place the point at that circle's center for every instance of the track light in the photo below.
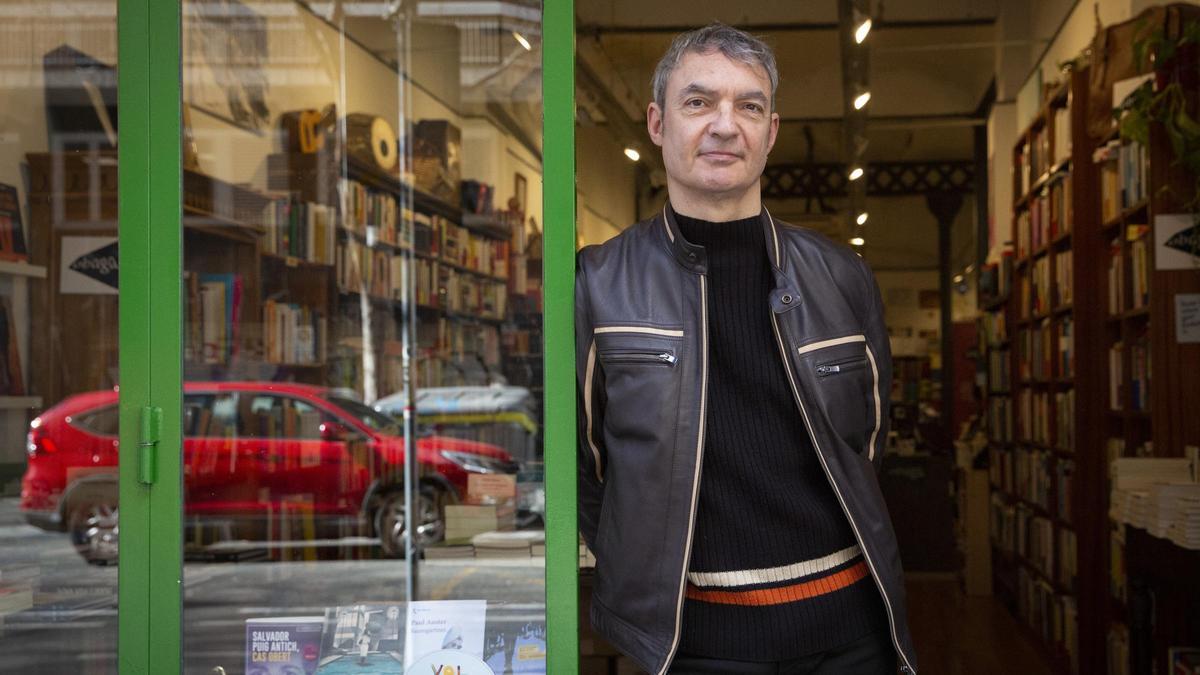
(856, 173)
(857, 241)
(860, 33)
(524, 43)
(861, 100)
(633, 154)
(862, 218)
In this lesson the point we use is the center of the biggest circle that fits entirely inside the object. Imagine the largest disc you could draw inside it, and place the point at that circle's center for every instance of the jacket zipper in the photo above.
(838, 367)
(837, 491)
(663, 358)
(687, 552)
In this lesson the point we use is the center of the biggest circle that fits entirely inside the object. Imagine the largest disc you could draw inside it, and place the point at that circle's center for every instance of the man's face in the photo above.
(716, 126)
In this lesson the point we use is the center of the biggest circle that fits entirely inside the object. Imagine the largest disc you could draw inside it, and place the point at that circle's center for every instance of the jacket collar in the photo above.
(693, 257)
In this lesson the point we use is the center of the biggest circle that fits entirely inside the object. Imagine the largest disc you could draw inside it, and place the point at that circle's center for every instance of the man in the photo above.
(734, 374)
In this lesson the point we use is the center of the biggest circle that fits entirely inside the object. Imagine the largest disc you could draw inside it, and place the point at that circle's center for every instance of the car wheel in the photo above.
(92, 524)
(390, 521)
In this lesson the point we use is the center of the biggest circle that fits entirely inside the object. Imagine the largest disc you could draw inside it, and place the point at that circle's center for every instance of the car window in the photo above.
(210, 415)
(103, 421)
(270, 416)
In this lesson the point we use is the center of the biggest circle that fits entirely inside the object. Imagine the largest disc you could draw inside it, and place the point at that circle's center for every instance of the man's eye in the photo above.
(754, 107)
(694, 103)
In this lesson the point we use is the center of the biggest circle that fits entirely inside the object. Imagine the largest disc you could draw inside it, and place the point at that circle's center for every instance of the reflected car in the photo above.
(260, 460)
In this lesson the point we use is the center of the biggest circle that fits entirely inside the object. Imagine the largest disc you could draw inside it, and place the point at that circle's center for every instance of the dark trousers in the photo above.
(870, 655)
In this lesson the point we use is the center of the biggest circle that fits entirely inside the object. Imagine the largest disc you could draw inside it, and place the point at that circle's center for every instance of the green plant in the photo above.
(1167, 104)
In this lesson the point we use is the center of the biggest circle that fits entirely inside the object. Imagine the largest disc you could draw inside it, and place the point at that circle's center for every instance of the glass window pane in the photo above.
(58, 337)
(362, 198)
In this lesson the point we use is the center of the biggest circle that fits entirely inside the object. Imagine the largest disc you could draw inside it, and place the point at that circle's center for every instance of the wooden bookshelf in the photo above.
(1154, 416)
(1032, 384)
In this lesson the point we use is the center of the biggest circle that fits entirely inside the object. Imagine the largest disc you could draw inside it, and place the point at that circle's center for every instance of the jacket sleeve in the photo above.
(876, 333)
(589, 417)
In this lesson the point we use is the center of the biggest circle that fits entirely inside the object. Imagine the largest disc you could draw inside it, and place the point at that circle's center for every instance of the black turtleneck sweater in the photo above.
(775, 570)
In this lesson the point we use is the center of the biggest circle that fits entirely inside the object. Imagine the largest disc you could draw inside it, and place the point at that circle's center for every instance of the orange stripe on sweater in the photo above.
(782, 594)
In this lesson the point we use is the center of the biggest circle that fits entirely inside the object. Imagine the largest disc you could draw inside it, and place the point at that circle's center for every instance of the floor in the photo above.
(959, 635)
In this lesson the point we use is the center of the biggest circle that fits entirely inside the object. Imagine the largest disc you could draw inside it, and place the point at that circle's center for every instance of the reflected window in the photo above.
(103, 422)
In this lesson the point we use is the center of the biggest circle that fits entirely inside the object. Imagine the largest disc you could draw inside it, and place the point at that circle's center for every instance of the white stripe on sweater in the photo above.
(772, 575)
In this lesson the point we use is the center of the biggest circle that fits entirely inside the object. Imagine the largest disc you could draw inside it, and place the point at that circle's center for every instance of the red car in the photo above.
(254, 453)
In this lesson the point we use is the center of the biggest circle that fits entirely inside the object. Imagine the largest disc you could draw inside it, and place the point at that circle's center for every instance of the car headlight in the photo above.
(477, 463)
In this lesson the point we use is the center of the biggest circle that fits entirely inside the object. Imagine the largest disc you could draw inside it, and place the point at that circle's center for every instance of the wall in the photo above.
(605, 179)
(309, 66)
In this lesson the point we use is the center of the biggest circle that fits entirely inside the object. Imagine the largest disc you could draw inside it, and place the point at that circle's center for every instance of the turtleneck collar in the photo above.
(745, 233)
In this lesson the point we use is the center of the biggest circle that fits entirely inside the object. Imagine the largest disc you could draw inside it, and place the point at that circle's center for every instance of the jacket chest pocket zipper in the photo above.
(651, 358)
(839, 367)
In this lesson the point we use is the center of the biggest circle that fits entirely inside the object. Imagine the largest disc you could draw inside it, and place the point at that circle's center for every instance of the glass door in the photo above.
(59, 414)
(363, 409)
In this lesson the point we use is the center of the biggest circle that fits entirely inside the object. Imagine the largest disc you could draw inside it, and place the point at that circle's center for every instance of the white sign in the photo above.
(1176, 242)
(88, 266)
(1187, 318)
(436, 626)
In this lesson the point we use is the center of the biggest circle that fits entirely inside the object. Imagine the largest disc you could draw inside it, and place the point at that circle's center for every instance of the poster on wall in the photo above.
(1187, 318)
(1176, 242)
(435, 626)
(225, 58)
(88, 266)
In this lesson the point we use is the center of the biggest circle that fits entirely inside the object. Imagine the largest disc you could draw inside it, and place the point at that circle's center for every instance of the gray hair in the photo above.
(737, 45)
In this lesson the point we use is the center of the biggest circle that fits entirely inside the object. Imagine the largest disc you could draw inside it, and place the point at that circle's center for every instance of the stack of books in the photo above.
(1158, 495)
(507, 544)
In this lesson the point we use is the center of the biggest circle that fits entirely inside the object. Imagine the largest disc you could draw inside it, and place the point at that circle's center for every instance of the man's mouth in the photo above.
(720, 154)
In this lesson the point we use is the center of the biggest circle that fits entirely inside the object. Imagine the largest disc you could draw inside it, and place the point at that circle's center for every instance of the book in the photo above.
(12, 383)
(286, 644)
(12, 234)
(364, 638)
(436, 625)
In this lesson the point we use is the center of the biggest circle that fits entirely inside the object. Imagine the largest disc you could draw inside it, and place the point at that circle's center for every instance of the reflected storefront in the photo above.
(362, 428)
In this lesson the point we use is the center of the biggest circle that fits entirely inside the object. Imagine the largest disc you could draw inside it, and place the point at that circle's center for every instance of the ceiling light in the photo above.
(860, 33)
(857, 241)
(958, 278)
(856, 173)
(862, 100)
(524, 43)
(632, 154)
(862, 218)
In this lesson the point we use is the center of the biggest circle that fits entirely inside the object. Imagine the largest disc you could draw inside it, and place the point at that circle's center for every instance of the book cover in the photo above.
(12, 235)
(433, 626)
(284, 646)
(365, 639)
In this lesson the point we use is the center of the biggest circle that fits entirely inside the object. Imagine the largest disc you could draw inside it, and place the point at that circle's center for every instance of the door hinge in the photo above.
(148, 444)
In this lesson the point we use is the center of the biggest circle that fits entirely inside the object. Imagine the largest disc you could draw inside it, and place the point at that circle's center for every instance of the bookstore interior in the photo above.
(360, 246)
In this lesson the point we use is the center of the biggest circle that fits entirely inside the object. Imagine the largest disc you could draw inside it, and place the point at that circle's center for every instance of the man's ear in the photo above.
(654, 123)
(774, 132)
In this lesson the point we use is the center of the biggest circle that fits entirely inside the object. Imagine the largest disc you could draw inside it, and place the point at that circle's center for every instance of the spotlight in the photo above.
(857, 241)
(958, 278)
(860, 33)
(632, 154)
(862, 218)
(856, 173)
(524, 43)
(862, 100)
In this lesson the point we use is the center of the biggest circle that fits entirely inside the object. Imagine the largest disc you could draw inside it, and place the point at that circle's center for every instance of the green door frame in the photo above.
(150, 237)
(558, 204)
(150, 606)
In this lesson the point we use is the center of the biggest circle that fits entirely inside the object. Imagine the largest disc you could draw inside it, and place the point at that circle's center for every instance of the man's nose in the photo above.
(722, 123)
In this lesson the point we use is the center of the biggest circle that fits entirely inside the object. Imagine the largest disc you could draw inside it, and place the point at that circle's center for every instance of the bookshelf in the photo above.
(1060, 409)
(387, 231)
(1148, 397)
(1027, 329)
(291, 284)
